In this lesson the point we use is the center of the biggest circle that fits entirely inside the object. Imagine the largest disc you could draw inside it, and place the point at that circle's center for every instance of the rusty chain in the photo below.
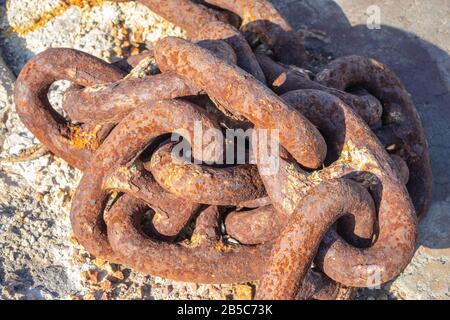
(353, 169)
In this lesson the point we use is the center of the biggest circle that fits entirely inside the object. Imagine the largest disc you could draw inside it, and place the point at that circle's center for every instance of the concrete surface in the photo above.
(38, 258)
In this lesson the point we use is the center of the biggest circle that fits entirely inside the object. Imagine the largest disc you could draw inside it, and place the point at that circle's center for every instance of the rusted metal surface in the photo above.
(402, 131)
(72, 143)
(261, 225)
(361, 158)
(171, 213)
(194, 261)
(109, 103)
(203, 23)
(246, 59)
(357, 154)
(318, 286)
(207, 265)
(186, 14)
(336, 213)
(205, 184)
(144, 124)
(261, 18)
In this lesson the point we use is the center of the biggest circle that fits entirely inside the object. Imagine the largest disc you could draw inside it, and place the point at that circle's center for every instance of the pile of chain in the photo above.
(353, 172)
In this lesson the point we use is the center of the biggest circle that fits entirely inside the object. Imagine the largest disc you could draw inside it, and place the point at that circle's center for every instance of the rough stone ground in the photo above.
(39, 259)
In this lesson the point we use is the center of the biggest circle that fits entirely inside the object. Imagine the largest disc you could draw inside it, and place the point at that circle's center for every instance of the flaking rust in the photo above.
(339, 212)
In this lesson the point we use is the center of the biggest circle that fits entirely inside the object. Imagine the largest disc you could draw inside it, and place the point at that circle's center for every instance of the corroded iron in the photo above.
(337, 213)
(243, 95)
(402, 131)
(205, 184)
(294, 250)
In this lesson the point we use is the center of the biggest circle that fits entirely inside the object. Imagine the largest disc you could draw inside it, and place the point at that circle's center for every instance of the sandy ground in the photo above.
(39, 258)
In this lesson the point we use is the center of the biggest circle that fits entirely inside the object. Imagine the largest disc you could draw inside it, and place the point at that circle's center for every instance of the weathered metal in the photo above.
(228, 186)
(72, 143)
(110, 102)
(402, 131)
(260, 17)
(295, 248)
(242, 94)
(336, 213)
(283, 79)
(356, 154)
